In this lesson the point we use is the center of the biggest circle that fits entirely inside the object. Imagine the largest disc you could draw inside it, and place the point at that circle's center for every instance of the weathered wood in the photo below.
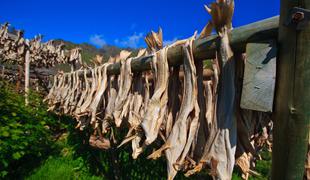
(27, 74)
(259, 76)
(205, 48)
(239, 37)
(292, 115)
(20, 75)
(2, 72)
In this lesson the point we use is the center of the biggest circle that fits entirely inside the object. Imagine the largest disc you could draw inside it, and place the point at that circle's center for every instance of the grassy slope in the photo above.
(60, 168)
(63, 165)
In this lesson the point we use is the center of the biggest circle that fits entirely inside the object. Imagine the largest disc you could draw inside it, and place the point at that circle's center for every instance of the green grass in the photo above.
(63, 165)
(62, 168)
(264, 166)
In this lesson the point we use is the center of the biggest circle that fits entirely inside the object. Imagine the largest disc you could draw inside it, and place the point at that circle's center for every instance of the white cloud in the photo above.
(97, 40)
(168, 42)
(133, 41)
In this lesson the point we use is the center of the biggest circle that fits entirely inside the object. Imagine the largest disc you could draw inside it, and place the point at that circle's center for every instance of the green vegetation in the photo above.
(61, 168)
(25, 132)
(264, 166)
(63, 165)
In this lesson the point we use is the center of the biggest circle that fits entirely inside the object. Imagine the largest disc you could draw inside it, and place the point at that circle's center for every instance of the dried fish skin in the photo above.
(174, 101)
(157, 105)
(102, 85)
(182, 134)
(220, 148)
(126, 77)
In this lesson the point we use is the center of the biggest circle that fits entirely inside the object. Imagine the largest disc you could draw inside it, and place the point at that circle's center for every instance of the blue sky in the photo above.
(119, 22)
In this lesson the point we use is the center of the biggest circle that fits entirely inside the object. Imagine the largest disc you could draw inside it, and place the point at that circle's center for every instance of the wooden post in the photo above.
(20, 75)
(3, 71)
(292, 108)
(27, 74)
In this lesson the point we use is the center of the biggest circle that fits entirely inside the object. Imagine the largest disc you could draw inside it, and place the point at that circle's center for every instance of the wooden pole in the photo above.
(205, 48)
(3, 71)
(20, 75)
(292, 108)
(27, 74)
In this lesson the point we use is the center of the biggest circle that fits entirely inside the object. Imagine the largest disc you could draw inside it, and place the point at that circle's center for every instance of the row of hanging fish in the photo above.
(13, 48)
(198, 122)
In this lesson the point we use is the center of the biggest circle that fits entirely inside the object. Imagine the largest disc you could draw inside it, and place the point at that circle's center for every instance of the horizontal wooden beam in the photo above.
(205, 48)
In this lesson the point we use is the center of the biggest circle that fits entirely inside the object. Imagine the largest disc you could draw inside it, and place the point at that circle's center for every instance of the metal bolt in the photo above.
(297, 17)
(293, 110)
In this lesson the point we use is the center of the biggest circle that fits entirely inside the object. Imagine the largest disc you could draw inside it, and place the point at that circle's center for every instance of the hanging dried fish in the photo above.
(83, 94)
(205, 120)
(55, 100)
(181, 136)
(121, 103)
(200, 129)
(67, 83)
(89, 97)
(138, 95)
(158, 103)
(174, 101)
(221, 146)
(112, 94)
(68, 104)
(154, 41)
(83, 116)
(194, 114)
(134, 107)
(137, 147)
(78, 93)
(102, 78)
(51, 93)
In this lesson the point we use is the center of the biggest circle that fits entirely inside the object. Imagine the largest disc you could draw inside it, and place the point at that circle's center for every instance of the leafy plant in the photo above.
(25, 132)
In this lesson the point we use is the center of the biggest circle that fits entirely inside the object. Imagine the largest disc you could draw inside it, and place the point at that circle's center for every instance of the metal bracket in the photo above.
(298, 18)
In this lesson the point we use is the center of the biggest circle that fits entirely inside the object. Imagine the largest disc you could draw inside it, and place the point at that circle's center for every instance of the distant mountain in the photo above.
(89, 51)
